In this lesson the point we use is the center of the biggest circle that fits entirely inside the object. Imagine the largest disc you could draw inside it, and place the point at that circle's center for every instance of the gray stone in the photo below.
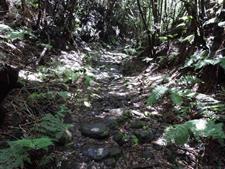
(112, 123)
(97, 153)
(143, 135)
(95, 130)
(137, 124)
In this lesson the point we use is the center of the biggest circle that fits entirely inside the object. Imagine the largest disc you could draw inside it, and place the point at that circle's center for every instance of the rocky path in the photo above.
(111, 129)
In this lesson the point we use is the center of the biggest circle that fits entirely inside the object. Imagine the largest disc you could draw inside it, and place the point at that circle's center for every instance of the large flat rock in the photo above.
(95, 130)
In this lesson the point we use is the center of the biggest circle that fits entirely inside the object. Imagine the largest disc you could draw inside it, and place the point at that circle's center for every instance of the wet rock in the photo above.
(144, 135)
(112, 123)
(99, 153)
(137, 124)
(95, 130)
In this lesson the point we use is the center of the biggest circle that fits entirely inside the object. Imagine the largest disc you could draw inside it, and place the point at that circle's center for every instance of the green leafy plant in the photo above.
(52, 125)
(11, 34)
(87, 80)
(33, 3)
(70, 76)
(48, 96)
(186, 101)
(61, 73)
(157, 93)
(65, 75)
(176, 95)
(188, 80)
(200, 128)
(130, 51)
(134, 140)
(18, 152)
(88, 58)
(35, 97)
(201, 59)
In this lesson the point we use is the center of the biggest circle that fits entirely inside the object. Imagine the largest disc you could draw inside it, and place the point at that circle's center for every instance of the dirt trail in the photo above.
(111, 130)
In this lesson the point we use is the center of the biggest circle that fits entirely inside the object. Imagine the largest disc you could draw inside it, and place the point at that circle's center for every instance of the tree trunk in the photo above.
(4, 7)
(155, 11)
(146, 29)
(202, 5)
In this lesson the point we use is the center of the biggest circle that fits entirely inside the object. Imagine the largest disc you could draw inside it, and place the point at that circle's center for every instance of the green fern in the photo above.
(35, 97)
(180, 133)
(87, 80)
(188, 80)
(176, 95)
(186, 101)
(63, 110)
(18, 152)
(47, 96)
(222, 62)
(70, 76)
(157, 93)
(201, 59)
(195, 59)
(37, 143)
(10, 34)
(52, 125)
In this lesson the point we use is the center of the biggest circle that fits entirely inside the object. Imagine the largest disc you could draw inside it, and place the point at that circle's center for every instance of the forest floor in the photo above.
(113, 127)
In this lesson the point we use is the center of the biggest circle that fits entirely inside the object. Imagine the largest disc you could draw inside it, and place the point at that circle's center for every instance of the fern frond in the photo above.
(176, 97)
(18, 152)
(180, 133)
(157, 93)
(52, 126)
